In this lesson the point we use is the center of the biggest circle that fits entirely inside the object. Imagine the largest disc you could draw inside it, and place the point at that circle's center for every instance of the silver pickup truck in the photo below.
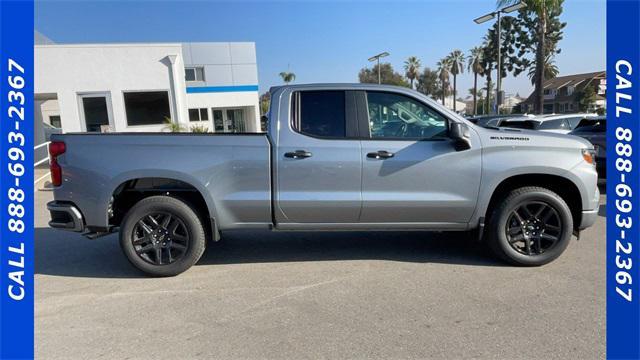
(335, 157)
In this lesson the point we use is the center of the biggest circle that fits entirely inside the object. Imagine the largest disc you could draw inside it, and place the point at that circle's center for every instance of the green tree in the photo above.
(478, 100)
(512, 62)
(475, 66)
(456, 62)
(586, 98)
(412, 69)
(387, 75)
(428, 83)
(264, 102)
(287, 76)
(444, 70)
(550, 70)
(541, 19)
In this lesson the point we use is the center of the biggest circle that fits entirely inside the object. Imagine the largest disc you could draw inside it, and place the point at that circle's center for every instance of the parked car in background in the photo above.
(594, 129)
(560, 124)
(488, 120)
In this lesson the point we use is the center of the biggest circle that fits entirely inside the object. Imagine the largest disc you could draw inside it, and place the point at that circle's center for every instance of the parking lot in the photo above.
(320, 295)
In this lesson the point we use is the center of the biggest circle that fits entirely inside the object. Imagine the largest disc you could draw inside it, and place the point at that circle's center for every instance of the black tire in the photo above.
(507, 227)
(184, 235)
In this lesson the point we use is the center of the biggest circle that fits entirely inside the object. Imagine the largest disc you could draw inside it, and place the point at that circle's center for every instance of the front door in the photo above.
(229, 120)
(318, 166)
(235, 121)
(411, 172)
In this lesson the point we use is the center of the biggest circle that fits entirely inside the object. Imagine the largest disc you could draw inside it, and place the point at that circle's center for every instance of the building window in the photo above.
(194, 74)
(198, 115)
(54, 120)
(147, 108)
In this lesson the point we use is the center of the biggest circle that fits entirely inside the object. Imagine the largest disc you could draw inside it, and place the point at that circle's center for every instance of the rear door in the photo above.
(318, 160)
(412, 175)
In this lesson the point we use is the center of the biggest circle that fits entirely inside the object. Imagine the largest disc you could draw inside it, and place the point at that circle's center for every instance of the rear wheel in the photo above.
(532, 226)
(162, 236)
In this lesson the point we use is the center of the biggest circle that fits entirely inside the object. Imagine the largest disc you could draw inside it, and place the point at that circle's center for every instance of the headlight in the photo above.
(589, 155)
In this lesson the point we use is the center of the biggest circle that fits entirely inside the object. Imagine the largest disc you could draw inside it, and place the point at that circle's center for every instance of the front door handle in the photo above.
(380, 155)
(298, 154)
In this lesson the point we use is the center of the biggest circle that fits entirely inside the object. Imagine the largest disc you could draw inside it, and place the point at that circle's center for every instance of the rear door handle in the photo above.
(380, 155)
(298, 154)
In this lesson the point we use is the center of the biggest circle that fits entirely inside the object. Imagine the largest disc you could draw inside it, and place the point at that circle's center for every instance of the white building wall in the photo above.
(247, 100)
(226, 65)
(49, 108)
(66, 72)
(70, 70)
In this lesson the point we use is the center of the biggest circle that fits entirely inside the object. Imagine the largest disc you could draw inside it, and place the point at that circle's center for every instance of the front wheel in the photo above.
(532, 226)
(162, 236)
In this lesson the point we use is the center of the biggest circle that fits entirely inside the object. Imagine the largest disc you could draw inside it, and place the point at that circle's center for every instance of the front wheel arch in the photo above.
(562, 186)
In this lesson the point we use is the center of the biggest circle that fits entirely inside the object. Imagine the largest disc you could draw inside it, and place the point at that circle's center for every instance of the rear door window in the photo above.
(320, 113)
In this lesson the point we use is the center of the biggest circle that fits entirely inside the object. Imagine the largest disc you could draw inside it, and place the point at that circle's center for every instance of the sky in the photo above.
(321, 41)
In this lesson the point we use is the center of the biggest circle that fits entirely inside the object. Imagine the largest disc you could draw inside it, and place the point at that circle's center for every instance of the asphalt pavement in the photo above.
(258, 295)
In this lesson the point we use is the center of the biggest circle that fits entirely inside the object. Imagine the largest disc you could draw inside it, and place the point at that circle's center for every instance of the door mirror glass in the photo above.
(459, 132)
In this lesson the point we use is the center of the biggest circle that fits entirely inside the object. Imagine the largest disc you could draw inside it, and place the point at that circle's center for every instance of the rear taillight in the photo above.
(56, 148)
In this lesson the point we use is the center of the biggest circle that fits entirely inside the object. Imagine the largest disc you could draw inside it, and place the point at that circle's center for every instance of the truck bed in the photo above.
(233, 169)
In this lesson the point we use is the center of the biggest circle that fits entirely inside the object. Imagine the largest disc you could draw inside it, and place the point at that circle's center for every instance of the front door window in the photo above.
(395, 116)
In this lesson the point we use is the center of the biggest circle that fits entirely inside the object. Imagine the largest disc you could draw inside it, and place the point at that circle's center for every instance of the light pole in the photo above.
(377, 58)
(487, 17)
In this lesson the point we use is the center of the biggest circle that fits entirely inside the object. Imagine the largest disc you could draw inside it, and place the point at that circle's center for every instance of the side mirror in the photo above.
(460, 134)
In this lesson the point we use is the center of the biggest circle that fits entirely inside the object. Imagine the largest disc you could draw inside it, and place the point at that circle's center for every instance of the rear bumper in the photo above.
(65, 216)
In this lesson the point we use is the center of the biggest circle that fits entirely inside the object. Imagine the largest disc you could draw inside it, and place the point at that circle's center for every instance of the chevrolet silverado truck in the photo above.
(335, 157)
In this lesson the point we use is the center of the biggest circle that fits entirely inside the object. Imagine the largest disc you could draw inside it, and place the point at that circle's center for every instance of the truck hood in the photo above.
(525, 137)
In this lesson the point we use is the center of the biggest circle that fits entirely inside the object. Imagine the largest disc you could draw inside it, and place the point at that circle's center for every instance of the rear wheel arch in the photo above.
(133, 190)
(560, 185)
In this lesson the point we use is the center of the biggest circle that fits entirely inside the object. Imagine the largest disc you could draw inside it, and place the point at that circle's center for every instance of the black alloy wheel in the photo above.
(529, 226)
(160, 238)
(162, 235)
(533, 228)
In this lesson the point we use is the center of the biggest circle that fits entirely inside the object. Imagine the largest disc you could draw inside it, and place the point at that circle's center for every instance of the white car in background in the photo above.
(560, 124)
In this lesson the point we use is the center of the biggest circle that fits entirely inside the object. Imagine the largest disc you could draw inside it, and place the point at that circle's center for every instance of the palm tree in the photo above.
(456, 61)
(541, 8)
(550, 70)
(412, 69)
(287, 76)
(475, 66)
(443, 71)
(172, 126)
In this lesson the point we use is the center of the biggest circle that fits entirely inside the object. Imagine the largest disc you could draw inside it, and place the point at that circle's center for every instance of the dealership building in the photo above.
(141, 87)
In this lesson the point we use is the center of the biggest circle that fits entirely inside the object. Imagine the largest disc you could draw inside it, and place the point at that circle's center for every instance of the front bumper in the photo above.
(65, 216)
(589, 217)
